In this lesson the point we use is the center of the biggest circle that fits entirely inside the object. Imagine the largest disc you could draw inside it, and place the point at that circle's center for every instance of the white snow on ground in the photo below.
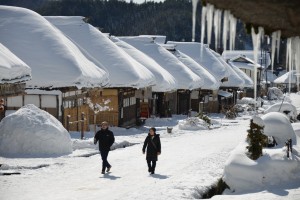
(191, 160)
(32, 132)
(12, 68)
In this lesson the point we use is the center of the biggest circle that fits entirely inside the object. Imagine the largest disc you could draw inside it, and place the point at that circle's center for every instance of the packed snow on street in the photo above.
(41, 160)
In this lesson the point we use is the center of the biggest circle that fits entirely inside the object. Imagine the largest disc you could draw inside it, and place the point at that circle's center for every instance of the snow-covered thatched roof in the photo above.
(209, 81)
(234, 79)
(164, 81)
(202, 55)
(243, 62)
(186, 79)
(247, 80)
(55, 61)
(288, 77)
(124, 71)
(249, 54)
(12, 68)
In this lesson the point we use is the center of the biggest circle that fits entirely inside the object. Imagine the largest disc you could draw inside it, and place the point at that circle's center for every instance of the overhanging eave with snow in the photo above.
(124, 71)
(186, 79)
(202, 55)
(54, 60)
(164, 81)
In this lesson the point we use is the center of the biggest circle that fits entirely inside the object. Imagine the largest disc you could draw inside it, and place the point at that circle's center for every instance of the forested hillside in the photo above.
(172, 18)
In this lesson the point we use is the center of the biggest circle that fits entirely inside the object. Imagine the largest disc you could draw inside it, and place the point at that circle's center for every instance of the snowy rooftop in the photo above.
(12, 68)
(55, 61)
(247, 80)
(205, 57)
(234, 79)
(164, 80)
(209, 81)
(247, 53)
(186, 79)
(244, 62)
(123, 70)
(287, 77)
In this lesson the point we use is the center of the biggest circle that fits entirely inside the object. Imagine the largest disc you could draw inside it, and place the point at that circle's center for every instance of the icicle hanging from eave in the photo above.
(278, 44)
(289, 57)
(256, 44)
(232, 31)
(217, 27)
(273, 47)
(209, 20)
(225, 28)
(203, 20)
(195, 3)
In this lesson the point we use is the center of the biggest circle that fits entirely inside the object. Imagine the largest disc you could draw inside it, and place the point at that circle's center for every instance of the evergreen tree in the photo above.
(256, 139)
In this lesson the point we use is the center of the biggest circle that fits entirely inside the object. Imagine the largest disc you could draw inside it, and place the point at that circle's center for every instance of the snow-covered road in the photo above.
(189, 160)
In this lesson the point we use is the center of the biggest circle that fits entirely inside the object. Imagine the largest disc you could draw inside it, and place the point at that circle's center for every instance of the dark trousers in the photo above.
(151, 168)
(105, 163)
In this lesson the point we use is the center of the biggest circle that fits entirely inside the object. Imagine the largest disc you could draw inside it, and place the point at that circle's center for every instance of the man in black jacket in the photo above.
(152, 143)
(106, 139)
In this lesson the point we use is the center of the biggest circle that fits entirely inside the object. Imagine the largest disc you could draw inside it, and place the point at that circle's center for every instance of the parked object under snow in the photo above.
(193, 123)
(278, 126)
(272, 168)
(274, 93)
(32, 132)
(284, 107)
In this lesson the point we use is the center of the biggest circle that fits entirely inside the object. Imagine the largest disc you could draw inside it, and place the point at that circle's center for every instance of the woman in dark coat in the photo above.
(152, 143)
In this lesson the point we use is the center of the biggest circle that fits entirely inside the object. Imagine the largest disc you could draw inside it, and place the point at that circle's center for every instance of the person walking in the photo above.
(3, 109)
(106, 139)
(153, 145)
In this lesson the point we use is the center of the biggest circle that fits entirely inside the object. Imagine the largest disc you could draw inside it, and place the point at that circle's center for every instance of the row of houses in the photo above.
(70, 67)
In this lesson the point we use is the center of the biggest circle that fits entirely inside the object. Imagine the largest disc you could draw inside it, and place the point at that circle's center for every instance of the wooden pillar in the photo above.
(82, 125)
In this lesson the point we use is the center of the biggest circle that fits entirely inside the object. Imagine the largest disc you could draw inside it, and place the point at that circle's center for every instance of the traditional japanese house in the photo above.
(209, 81)
(127, 76)
(13, 74)
(56, 63)
(164, 81)
(177, 102)
(203, 56)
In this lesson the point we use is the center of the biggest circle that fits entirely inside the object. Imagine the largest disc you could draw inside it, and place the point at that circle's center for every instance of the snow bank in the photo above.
(32, 132)
(278, 126)
(285, 107)
(192, 123)
(243, 174)
(274, 93)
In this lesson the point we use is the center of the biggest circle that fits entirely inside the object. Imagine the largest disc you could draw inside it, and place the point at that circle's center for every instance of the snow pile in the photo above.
(258, 121)
(246, 100)
(284, 107)
(279, 126)
(274, 93)
(193, 123)
(32, 132)
(243, 174)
